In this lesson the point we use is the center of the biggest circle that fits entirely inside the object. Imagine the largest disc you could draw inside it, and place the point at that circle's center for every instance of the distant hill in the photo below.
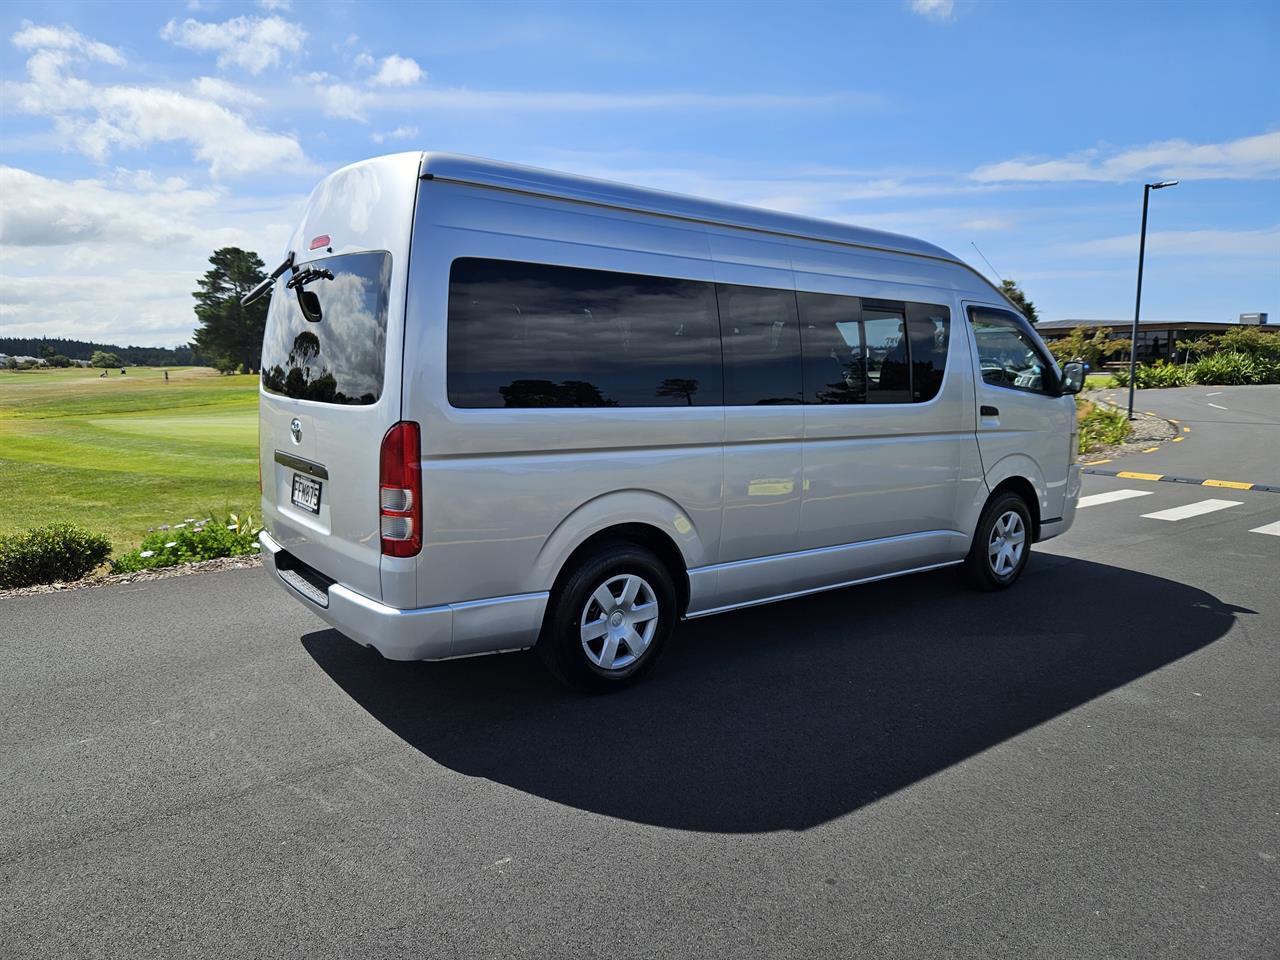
(183, 356)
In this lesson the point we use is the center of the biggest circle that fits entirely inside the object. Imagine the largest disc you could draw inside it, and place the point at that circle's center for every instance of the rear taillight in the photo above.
(400, 490)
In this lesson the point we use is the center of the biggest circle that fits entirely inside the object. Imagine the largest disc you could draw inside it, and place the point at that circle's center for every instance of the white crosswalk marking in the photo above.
(1094, 499)
(1192, 510)
(1271, 529)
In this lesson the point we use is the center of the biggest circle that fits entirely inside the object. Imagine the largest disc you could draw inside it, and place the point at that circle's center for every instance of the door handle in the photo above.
(987, 411)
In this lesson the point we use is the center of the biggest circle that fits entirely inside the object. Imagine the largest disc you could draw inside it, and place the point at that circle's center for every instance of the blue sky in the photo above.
(137, 138)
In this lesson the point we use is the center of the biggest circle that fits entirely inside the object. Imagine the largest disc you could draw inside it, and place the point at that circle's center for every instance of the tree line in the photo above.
(62, 352)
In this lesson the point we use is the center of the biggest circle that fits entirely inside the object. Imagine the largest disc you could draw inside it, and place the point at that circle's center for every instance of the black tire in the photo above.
(578, 662)
(980, 566)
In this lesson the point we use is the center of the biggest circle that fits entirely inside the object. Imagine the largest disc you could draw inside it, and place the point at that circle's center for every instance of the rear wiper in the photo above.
(306, 276)
(265, 285)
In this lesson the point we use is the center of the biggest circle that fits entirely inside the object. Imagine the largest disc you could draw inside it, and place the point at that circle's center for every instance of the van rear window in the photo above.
(341, 356)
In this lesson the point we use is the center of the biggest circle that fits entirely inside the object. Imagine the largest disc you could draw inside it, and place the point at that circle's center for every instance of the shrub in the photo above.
(1153, 377)
(1232, 368)
(1100, 426)
(191, 540)
(58, 552)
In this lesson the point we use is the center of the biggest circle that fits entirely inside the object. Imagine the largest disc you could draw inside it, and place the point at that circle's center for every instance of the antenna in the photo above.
(988, 262)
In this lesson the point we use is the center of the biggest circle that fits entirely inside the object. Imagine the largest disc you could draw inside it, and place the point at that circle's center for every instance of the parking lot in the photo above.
(1087, 765)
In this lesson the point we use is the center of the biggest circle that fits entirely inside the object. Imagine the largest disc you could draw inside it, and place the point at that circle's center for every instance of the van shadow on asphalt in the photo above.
(786, 716)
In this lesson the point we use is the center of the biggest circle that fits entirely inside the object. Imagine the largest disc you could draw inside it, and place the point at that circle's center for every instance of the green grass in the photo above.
(1096, 381)
(122, 454)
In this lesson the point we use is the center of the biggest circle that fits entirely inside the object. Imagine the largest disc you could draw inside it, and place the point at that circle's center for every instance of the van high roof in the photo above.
(534, 180)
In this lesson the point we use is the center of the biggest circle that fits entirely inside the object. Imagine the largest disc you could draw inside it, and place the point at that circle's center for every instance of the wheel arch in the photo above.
(638, 517)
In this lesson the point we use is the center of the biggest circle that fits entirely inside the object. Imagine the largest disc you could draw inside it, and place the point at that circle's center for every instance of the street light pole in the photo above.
(1137, 304)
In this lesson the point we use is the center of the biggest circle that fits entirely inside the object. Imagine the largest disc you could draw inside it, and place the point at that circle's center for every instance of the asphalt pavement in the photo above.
(1085, 766)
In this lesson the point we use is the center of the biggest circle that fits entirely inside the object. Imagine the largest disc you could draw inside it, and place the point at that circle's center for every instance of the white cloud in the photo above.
(35, 37)
(275, 4)
(1249, 158)
(116, 258)
(344, 101)
(40, 212)
(933, 9)
(99, 119)
(399, 133)
(1262, 244)
(251, 44)
(397, 71)
(223, 91)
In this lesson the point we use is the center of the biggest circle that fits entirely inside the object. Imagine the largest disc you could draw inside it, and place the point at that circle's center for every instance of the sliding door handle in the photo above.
(987, 411)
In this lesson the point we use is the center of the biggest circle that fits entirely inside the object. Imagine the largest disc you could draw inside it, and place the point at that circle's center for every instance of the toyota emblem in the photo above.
(295, 430)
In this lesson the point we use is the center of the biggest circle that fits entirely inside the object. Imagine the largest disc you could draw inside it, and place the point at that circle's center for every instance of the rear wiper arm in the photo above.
(265, 285)
(306, 276)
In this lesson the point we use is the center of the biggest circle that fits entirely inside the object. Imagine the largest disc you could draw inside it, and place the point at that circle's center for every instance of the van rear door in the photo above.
(324, 412)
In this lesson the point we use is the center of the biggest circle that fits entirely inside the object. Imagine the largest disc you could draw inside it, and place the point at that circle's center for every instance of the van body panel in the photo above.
(762, 498)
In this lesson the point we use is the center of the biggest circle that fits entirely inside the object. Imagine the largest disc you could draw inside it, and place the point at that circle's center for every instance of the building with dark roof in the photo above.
(1157, 339)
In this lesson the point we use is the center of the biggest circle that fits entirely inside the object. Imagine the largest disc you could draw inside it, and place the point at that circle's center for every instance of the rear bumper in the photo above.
(429, 633)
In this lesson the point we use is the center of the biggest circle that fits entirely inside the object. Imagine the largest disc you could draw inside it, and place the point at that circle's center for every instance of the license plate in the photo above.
(306, 493)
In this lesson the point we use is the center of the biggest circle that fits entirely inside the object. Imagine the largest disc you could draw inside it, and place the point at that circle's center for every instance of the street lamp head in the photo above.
(1162, 184)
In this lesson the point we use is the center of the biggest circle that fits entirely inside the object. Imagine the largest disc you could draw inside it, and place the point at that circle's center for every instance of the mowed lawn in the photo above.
(120, 454)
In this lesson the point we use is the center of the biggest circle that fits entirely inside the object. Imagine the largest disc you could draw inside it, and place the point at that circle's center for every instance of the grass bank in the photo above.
(123, 453)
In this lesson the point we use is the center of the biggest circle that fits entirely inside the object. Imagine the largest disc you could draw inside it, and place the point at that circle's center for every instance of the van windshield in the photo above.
(339, 358)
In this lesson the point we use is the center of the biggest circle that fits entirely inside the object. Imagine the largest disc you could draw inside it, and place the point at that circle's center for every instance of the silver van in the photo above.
(505, 408)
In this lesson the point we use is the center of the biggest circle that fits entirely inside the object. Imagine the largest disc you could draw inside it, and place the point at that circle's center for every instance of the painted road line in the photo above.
(1271, 529)
(1094, 463)
(1150, 449)
(1177, 439)
(1233, 484)
(1134, 475)
(1192, 510)
(1217, 406)
(1096, 499)
(1216, 393)
(1186, 429)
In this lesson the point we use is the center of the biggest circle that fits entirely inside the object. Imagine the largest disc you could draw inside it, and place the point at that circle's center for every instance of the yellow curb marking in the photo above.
(1186, 429)
(1233, 484)
(1132, 475)
(1093, 463)
(1151, 450)
(1171, 420)
(1177, 439)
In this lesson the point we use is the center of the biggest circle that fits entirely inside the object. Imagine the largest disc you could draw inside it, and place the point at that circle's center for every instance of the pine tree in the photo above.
(231, 334)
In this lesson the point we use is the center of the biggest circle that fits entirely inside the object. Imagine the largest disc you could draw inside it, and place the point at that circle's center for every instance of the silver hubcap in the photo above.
(1008, 538)
(619, 622)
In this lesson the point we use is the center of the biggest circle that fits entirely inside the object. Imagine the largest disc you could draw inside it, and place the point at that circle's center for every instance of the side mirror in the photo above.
(1072, 377)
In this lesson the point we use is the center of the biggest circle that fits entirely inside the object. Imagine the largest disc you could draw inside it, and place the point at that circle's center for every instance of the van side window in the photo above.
(835, 369)
(860, 351)
(888, 360)
(929, 328)
(761, 337)
(535, 335)
(1009, 355)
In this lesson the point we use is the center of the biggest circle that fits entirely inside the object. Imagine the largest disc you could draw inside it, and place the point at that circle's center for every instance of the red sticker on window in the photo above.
(320, 241)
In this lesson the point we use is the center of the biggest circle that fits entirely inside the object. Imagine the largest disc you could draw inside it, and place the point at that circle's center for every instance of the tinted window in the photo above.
(888, 362)
(532, 335)
(835, 368)
(1009, 355)
(929, 329)
(761, 337)
(340, 357)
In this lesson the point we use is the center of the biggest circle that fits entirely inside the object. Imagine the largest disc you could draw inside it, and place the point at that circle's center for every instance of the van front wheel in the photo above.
(1001, 544)
(609, 620)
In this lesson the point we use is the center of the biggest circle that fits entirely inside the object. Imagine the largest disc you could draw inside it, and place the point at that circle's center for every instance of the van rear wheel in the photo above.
(1001, 544)
(609, 620)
